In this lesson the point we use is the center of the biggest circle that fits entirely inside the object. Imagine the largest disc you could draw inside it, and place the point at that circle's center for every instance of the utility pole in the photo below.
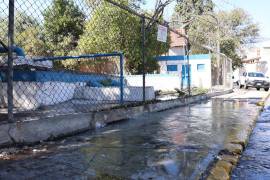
(10, 59)
(218, 51)
(188, 68)
(143, 54)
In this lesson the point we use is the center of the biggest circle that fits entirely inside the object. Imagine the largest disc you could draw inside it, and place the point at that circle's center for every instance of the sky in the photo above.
(258, 10)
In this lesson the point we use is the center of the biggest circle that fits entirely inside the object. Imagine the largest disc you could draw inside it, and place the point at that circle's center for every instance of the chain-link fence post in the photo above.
(10, 60)
(121, 78)
(188, 68)
(143, 54)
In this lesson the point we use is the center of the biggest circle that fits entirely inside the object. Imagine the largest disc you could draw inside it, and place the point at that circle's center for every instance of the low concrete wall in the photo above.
(164, 82)
(113, 93)
(32, 95)
(42, 129)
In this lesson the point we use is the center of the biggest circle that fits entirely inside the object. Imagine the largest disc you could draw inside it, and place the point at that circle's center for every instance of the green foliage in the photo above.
(229, 47)
(118, 30)
(64, 31)
(232, 29)
(239, 25)
(199, 91)
(28, 34)
(63, 24)
(31, 40)
(106, 82)
(187, 10)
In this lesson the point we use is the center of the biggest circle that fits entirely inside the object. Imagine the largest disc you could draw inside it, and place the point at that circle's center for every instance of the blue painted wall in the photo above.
(60, 76)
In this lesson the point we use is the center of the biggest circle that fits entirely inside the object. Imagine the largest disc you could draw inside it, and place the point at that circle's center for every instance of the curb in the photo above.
(221, 168)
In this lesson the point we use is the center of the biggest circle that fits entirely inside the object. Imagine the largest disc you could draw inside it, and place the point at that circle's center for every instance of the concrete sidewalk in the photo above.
(245, 94)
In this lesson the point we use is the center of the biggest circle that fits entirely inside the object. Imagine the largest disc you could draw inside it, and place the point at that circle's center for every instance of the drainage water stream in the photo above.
(255, 162)
(173, 144)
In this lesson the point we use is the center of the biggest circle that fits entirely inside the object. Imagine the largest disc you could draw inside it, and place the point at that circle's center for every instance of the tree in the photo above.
(28, 34)
(114, 29)
(231, 29)
(239, 30)
(188, 10)
(63, 25)
(229, 48)
(32, 41)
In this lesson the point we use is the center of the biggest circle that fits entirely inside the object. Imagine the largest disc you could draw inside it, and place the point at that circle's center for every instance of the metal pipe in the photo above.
(59, 58)
(19, 51)
(10, 60)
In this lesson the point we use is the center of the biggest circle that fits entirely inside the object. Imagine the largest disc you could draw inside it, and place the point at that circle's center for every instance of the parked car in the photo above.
(254, 79)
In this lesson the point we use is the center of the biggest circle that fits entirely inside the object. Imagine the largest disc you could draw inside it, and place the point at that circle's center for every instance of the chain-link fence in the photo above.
(221, 72)
(68, 56)
(75, 56)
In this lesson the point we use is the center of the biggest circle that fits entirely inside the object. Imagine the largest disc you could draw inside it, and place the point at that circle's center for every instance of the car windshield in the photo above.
(255, 75)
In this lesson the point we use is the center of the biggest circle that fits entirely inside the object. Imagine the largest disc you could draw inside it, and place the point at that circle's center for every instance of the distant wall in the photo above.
(163, 82)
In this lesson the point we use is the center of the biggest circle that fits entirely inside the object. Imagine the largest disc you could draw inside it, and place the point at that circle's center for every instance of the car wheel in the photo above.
(258, 89)
(266, 89)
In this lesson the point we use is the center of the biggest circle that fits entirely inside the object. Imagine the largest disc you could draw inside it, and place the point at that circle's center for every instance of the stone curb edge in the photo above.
(223, 165)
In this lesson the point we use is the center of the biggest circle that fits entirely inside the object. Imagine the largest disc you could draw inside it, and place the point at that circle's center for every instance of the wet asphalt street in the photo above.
(174, 144)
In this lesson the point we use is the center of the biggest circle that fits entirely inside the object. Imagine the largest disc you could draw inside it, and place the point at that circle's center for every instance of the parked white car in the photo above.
(254, 79)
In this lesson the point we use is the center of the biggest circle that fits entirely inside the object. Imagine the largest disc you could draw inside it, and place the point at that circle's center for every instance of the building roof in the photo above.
(176, 40)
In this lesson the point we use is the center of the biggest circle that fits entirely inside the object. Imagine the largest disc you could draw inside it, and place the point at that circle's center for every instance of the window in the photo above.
(255, 75)
(200, 67)
(172, 68)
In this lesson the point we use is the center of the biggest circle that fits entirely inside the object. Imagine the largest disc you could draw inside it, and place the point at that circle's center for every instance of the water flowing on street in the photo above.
(174, 144)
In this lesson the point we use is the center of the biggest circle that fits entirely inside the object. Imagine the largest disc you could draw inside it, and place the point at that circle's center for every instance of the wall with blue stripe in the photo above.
(181, 58)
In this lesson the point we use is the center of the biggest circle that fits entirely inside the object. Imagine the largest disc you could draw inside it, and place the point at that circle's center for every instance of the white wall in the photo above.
(265, 54)
(164, 82)
(198, 79)
(113, 93)
(32, 95)
(261, 50)
(176, 51)
(203, 78)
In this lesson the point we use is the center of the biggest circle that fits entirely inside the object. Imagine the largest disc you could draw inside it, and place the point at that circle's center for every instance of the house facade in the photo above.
(257, 58)
(175, 63)
(199, 67)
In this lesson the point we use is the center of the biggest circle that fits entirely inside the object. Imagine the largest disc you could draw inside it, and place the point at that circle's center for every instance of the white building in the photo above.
(257, 58)
(173, 68)
(175, 63)
(200, 69)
